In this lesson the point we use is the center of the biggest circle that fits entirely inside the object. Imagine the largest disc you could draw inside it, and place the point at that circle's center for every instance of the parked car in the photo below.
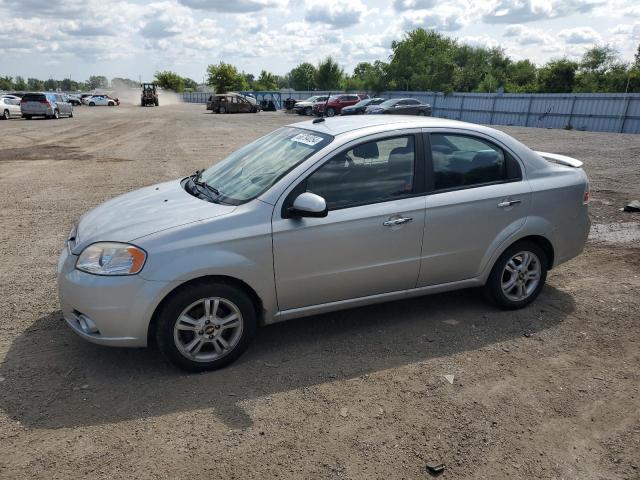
(360, 107)
(74, 100)
(276, 231)
(231, 103)
(9, 107)
(305, 107)
(48, 105)
(12, 96)
(336, 103)
(400, 106)
(101, 100)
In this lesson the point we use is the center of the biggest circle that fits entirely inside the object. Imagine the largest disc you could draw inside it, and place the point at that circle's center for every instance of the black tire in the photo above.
(308, 111)
(56, 115)
(222, 110)
(92, 104)
(493, 289)
(27, 117)
(6, 115)
(330, 112)
(111, 104)
(71, 114)
(421, 113)
(180, 300)
(156, 103)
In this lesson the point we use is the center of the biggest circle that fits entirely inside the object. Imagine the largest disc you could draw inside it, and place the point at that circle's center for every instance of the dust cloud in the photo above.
(131, 96)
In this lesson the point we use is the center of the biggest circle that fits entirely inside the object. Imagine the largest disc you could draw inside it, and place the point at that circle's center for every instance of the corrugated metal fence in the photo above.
(601, 112)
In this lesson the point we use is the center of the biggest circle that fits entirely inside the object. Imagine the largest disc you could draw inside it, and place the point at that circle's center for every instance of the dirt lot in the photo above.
(551, 391)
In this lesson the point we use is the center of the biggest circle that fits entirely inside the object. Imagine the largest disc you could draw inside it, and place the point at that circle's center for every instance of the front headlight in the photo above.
(110, 258)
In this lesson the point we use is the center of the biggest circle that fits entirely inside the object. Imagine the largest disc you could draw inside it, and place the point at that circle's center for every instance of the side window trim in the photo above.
(429, 171)
(419, 169)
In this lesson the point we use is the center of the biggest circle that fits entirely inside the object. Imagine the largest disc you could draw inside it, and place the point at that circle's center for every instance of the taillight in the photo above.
(44, 101)
(587, 196)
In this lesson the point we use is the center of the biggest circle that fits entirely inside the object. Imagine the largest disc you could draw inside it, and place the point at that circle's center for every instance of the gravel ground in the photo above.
(551, 391)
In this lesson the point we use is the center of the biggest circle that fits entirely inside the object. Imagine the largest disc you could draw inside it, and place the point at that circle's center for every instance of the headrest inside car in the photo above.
(367, 150)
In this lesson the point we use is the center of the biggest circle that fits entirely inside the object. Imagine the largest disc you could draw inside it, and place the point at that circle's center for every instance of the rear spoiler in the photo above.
(561, 159)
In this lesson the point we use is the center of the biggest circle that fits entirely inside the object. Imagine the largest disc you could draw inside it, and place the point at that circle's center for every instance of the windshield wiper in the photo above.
(205, 188)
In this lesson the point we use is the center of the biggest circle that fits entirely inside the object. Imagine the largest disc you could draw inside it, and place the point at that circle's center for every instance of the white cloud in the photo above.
(524, 35)
(580, 35)
(518, 11)
(336, 13)
(445, 19)
(234, 6)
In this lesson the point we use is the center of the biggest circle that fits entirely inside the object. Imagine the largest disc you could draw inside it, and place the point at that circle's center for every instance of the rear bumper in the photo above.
(570, 238)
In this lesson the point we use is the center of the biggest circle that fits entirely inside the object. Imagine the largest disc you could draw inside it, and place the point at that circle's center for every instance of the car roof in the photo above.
(340, 125)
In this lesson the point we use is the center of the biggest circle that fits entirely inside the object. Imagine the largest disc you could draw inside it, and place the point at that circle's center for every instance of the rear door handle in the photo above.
(508, 203)
(397, 221)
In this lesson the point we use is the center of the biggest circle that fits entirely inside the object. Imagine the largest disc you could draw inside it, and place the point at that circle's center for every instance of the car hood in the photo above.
(303, 104)
(144, 212)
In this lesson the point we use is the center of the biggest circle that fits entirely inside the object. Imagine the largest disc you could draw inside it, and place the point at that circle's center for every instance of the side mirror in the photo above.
(309, 204)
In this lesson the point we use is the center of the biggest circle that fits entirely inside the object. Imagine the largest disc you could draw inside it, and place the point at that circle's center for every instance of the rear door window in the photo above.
(461, 161)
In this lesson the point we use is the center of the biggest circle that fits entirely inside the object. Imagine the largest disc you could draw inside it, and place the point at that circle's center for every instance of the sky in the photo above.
(133, 39)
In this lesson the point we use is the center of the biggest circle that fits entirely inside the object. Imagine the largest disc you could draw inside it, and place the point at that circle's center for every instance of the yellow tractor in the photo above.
(149, 95)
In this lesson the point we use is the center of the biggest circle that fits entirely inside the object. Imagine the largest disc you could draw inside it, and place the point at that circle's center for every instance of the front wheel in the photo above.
(308, 111)
(222, 110)
(56, 115)
(518, 276)
(205, 326)
(92, 104)
(421, 113)
(330, 112)
(71, 114)
(6, 115)
(111, 104)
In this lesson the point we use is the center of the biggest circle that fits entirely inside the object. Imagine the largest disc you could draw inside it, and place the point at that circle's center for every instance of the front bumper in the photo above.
(106, 310)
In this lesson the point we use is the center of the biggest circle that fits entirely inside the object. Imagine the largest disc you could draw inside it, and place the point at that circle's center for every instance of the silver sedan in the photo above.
(320, 216)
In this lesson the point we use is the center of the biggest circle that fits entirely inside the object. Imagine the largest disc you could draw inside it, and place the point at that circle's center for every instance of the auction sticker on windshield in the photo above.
(307, 139)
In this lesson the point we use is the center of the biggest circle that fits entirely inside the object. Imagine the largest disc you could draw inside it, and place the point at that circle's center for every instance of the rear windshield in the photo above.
(33, 97)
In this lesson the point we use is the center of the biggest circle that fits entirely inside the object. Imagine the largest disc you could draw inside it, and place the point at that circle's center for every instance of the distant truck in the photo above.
(149, 95)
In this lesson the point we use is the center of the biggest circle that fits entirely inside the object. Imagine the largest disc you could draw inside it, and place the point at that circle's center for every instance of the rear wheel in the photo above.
(71, 114)
(111, 104)
(205, 326)
(6, 115)
(27, 117)
(222, 110)
(518, 276)
(420, 113)
(330, 112)
(56, 114)
(92, 104)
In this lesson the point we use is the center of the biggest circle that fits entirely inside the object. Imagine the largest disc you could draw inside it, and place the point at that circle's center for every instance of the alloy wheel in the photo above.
(208, 329)
(521, 276)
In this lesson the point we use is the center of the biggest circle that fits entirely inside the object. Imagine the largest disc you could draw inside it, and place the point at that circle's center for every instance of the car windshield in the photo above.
(389, 103)
(250, 171)
(363, 103)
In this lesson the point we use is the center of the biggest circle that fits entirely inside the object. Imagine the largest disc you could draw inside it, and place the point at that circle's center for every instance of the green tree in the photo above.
(20, 84)
(35, 84)
(97, 81)
(266, 81)
(521, 77)
(224, 77)
(170, 81)
(6, 83)
(303, 77)
(423, 60)
(190, 85)
(557, 76)
(329, 74)
(373, 76)
(51, 85)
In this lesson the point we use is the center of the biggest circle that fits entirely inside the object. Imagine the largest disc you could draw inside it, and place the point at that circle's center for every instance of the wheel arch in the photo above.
(240, 284)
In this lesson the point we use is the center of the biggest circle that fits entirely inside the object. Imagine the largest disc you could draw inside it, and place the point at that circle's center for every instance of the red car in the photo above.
(336, 103)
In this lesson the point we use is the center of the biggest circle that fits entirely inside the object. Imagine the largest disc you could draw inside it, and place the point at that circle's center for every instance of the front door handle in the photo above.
(397, 221)
(508, 203)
